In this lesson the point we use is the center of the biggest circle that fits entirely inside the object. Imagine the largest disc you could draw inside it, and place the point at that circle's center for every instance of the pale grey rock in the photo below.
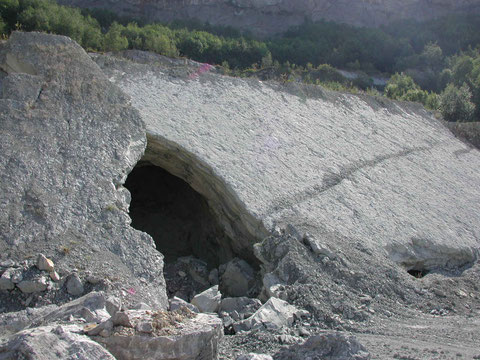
(317, 247)
(6, 282)
(51, 343)
(177, 303)
(253, 356)
(36, 284)
(94, 302)
(266, 17)
(113, 304)
(13, 322)
(274, 314)
(242, 307)
(45, 264)
(144, 327)
(54, 276)
(196, 338)
(122, 318)
(347, 169)
(94, 330)
(74, 285)
(69, 138)
(208, 301)
(237, 279)
(142, 306)
(334, 346)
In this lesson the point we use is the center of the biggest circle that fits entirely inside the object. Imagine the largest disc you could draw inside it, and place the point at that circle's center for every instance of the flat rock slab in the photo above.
(195, 338)
(371, 171)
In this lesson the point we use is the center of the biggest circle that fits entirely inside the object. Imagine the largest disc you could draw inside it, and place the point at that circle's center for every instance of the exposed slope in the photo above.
(69, 138)
(384, 174)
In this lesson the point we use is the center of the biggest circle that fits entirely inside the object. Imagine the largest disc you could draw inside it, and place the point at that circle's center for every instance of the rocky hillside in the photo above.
(266, 17)
(151, 208)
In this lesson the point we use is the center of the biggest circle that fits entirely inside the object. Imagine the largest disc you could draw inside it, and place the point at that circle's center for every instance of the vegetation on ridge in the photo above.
(436, 63)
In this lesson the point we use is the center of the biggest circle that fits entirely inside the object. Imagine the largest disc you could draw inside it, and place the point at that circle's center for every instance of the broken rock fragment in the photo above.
(165, 335)
(56, 342)
(177, 303)
(274, 314)
(333, 346)
(238, 278)
(74, 285)
(45, 264)
(6, 282)
(208, 301)
(33, 285)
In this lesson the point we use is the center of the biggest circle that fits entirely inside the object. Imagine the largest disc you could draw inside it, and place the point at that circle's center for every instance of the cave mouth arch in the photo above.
(178, 218)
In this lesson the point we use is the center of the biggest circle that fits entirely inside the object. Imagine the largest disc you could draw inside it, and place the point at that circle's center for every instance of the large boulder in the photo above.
(52, 343)
(169, 337)
(69, 138)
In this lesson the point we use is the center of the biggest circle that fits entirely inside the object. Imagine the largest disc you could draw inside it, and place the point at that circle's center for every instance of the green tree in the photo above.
(455, 103)
(114, 40)
(402, 87)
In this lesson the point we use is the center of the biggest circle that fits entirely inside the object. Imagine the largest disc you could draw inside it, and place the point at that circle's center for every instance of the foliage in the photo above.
(402, 87)
(427, 58)
(455, 103)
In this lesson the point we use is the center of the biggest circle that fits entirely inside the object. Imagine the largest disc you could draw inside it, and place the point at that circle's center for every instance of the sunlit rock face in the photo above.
(266, 17)
(347, 169)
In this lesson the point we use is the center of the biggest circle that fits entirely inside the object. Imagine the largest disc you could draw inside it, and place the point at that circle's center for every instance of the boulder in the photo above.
(55, 342)
(333, 346)
(208, 301)
(274, 314)
(74, 285)
(238, 278)
(177, 303)
(182, 339)
(36, 284)
(243, 307)
(94, 303)
(6, 282)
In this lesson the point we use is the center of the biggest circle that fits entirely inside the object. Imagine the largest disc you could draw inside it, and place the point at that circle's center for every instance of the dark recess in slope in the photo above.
(177, 217)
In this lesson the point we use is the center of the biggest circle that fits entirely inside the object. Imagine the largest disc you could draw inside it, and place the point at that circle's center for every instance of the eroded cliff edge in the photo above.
(69, 138)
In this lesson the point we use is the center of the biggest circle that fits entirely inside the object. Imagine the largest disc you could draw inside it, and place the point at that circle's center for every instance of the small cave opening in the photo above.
(184, 228)
(418, 273)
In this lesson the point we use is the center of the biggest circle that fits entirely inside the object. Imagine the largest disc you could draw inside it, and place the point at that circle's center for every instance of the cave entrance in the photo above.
(177, 217)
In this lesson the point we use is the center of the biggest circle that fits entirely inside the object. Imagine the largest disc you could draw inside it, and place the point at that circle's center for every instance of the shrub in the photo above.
(455, 103)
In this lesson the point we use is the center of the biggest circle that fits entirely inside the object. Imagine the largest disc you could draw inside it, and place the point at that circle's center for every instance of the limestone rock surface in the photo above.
(51, 343)
(195, 338)
(69, 137)
(346, 169)
(334, 346)
(265, 17)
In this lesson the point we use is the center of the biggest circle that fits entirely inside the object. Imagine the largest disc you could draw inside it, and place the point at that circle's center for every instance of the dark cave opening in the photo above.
(416, 273)
(177, 217)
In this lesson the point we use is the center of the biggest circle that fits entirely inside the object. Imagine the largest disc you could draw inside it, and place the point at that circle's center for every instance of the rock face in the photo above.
(345, 169)
(266, 17)
(69, 137)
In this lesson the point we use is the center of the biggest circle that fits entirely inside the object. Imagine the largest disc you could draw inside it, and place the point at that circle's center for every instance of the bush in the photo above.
(455, 103)
(402, 87)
